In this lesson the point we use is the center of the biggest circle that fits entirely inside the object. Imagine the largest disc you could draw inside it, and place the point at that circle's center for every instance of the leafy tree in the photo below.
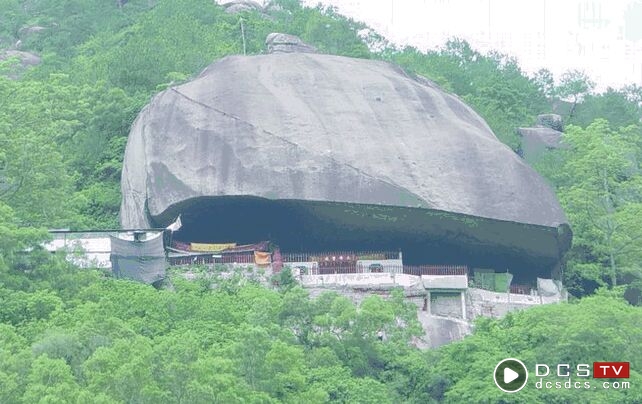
(601, 190)
(14, 239)
(11, 20)
(50, 381)
(574, 86)
(594, 329)
(284, 279)
(613, 105)
(545, 82)
(124, 372)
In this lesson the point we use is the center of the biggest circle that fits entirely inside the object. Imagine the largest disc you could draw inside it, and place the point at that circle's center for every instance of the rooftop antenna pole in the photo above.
(243, 36)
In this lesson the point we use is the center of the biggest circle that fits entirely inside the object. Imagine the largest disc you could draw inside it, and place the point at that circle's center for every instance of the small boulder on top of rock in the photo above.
(552, 121)
(237, 6)
(286, 43)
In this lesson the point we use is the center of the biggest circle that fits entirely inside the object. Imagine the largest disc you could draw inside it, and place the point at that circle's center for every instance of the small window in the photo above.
(375, 268)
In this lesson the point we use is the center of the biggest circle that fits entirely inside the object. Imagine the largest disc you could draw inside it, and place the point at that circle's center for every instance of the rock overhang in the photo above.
(330, 130)
(424, 235)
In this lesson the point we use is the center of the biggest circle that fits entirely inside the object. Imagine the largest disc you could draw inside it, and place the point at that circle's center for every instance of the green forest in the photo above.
(79, 336)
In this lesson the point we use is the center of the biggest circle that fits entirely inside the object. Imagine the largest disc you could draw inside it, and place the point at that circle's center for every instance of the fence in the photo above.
(335, 262)
(210, 259)
(339, 256)
(435, 270)
(327, 267)
(343, 268)
(237, 258)
(521, 289)
(514, 289)
(192, 260)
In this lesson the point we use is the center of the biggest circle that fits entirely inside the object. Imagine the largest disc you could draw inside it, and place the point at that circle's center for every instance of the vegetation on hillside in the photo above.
(79, 336)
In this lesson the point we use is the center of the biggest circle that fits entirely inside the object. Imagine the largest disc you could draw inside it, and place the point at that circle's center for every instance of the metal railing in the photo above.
(351, 268)
(521, 289)
(237, 258)
(514, 289)
(339, 256)
(210, 259)
(435, 269)
(192, 260)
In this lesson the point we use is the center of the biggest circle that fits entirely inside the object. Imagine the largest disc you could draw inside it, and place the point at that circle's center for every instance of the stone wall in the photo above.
(485, 303)
(440, 330)
(446, 304)
(443, 322)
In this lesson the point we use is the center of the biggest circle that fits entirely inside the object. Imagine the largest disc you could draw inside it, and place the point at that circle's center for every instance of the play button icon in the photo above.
(510, 375)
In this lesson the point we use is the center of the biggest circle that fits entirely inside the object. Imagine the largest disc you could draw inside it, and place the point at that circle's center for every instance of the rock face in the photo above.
(30, 30)
(546, 135)
(285, 43)
(26, 59)
(323, 134)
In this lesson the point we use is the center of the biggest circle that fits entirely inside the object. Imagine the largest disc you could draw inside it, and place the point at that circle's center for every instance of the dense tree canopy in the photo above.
(80, 336)
(69, 335)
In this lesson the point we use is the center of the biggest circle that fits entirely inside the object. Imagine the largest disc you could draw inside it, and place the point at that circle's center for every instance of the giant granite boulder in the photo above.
(321, 151)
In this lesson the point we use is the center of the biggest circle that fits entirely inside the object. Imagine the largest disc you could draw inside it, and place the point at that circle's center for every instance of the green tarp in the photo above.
(489, 280)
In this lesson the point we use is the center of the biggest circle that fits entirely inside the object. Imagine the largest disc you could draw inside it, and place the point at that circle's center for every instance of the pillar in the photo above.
(428, 305)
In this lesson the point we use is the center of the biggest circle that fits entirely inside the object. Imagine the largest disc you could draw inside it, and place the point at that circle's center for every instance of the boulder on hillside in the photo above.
(546, 135)
(25, 60)
(30, 30)
(536, 141)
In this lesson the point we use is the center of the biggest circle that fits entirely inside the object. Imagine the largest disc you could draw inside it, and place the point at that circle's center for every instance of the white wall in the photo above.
(84, 252)
(493, 304)
(362, 280)
(445, 281)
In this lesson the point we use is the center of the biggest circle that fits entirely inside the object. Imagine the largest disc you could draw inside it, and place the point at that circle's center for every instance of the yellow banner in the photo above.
(201, 247)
